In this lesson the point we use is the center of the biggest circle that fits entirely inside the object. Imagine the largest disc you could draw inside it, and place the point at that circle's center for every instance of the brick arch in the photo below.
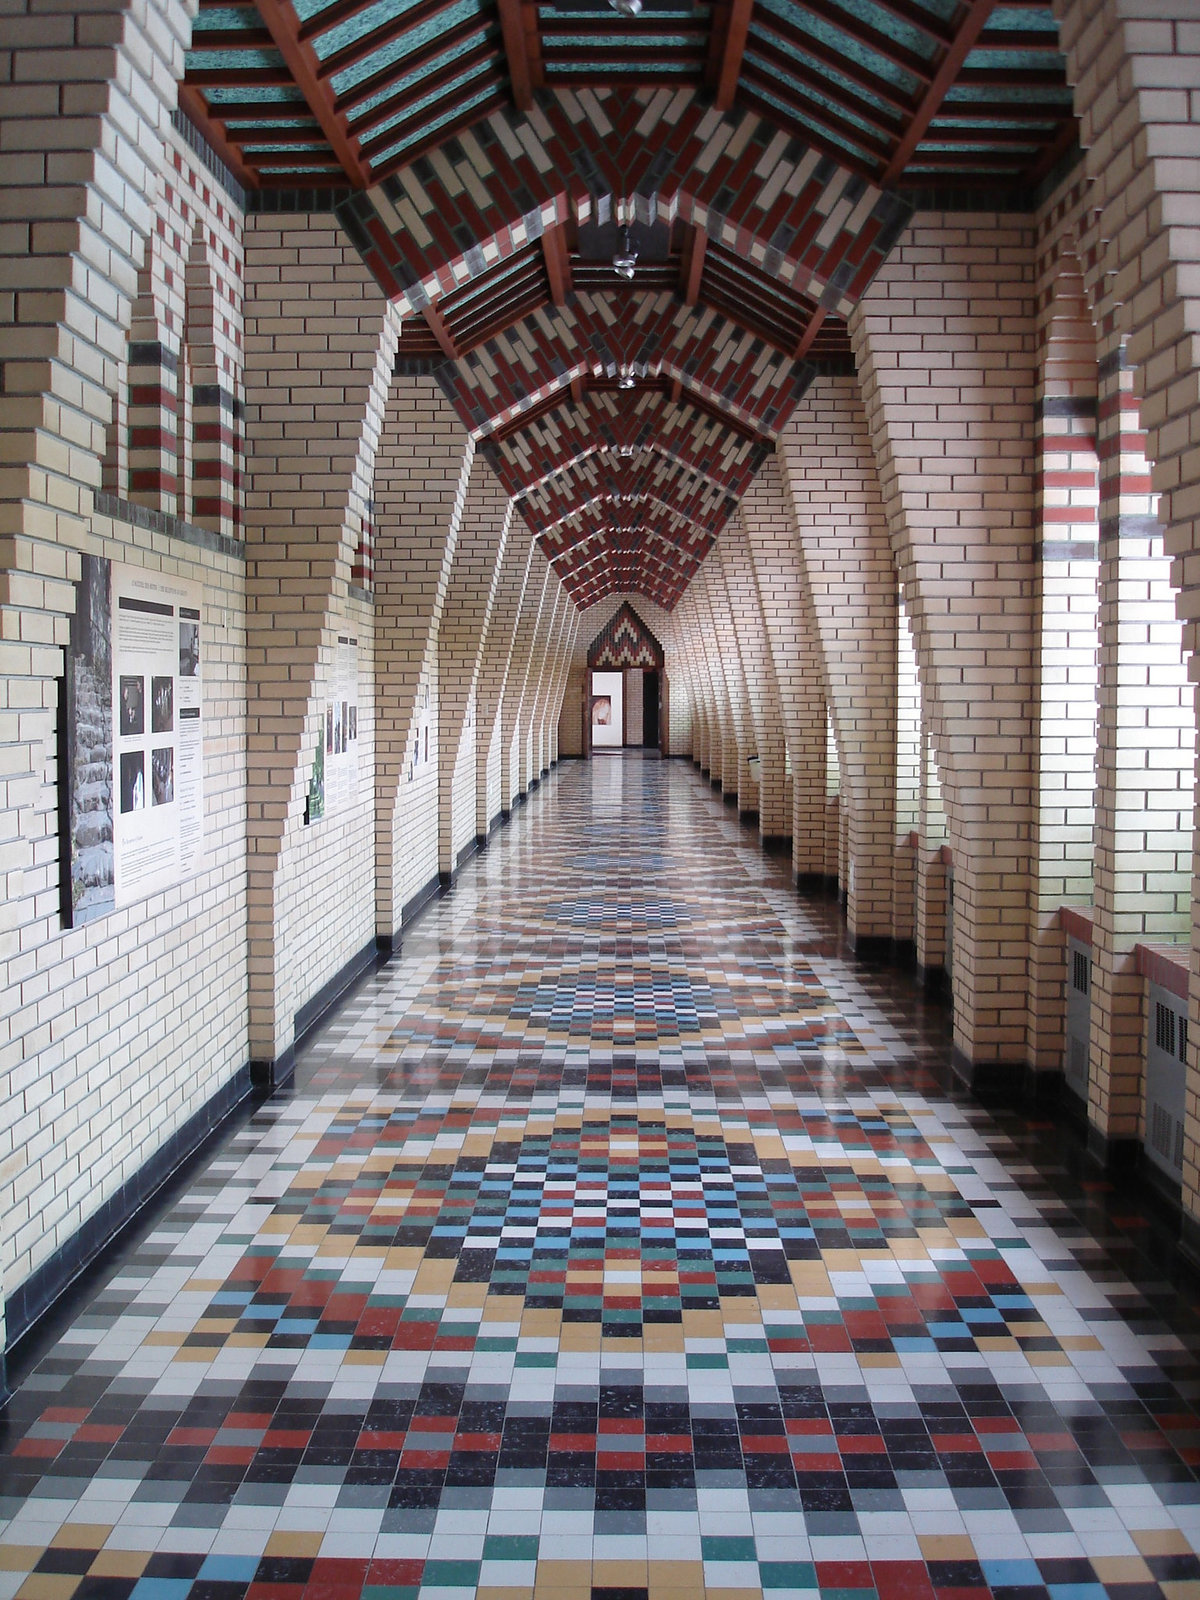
(625, 641)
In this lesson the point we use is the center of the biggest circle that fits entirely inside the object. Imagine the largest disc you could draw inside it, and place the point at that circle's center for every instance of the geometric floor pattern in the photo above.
(619, 1240)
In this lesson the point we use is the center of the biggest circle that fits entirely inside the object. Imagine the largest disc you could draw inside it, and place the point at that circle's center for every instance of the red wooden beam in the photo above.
(193, 106)
(695, 246)
(519, 27)
(558, 264)
(967, 32)
(437, 326)
(284, 27)
(727, 46)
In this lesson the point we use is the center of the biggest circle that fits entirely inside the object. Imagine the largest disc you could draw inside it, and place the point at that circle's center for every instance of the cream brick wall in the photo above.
(725, 630)
(115, 1033)
(513, 712)
(766, 517)
(317, 370)
(421, 488)
(945, 344)
(762, 687)
(846, 568)
(511, 584)
(467, 616)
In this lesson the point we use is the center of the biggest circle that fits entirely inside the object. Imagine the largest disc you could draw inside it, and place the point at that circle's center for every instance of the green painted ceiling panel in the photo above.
(408, 44)
(431, 126)
(836, 39)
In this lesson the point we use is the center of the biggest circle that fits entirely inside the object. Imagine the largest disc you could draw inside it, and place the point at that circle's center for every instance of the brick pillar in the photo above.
(1145, 742)
(846, 559)
(1067, 582)
(944, 341)
(729, 640)
(722, 749)
(317, 370)
(908, 785)
(421, 479)
(494, 670)
(767, 519)
(1135, 70)
(762, 689)
(538, 591)
(466, 618)
(700, 690)
(726, 670)
(544, 645)
(215, 409)
(556, 689)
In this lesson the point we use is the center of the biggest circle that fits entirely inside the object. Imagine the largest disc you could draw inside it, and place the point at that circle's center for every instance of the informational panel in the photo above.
(158, 744)
(608, 726)
(341, 728)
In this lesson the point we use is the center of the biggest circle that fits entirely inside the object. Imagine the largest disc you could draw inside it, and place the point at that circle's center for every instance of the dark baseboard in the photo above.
(777, 844)
(749, 817)
(1189, 1240)
(414, 907)
(1117, 1156)
(879, 947)
(446, 881)
(818, 884)
(497, 821)
(468, 850)
(272, 1072)
(995, 1082)
(89, 1249)
(904, 954)
(314, 1011)
(716, 782)
(534, 783)
(935, 981)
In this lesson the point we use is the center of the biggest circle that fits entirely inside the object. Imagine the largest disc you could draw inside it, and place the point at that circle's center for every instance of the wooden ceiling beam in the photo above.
(465, 119)
(727, 46)
(405, 102)
(195, 108)
(284, 27)
(809, 45)
(514, 26)
(558, 264)
(835, 125)
(368, 44)
(872, 38)
(691, 274)
(437, 326)
(378, 84)
(969, 28)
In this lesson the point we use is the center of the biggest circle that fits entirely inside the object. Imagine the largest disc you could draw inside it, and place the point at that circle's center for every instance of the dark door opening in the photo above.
(650, 708)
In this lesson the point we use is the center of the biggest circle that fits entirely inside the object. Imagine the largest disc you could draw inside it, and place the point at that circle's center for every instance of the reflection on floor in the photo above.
(619, 1240)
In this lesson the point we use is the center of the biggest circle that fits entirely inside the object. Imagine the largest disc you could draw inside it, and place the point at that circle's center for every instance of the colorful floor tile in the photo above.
(621, 1240)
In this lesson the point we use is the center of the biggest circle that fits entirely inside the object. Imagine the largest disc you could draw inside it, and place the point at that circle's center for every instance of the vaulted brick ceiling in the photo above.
(760, 157)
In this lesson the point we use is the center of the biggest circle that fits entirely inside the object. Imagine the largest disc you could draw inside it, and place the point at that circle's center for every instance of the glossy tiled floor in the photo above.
(619, 1240)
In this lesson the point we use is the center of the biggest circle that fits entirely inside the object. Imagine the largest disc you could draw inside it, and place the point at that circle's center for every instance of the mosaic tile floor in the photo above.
(617, 1242)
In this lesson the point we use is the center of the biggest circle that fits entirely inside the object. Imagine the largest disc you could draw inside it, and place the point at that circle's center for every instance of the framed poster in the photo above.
(158, 826)
(132, 739)
(341, 728)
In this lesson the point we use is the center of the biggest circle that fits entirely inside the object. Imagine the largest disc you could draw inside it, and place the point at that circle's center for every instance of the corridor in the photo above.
(617, 1240)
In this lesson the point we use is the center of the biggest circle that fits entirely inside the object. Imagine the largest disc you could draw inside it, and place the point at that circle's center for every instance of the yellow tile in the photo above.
(1047, 1358)
(675, 1580)
(119, 1563)
(467, 1294)
(810, 1277)
(20, 1557)
(878, 1358)
(740, 1309)
(1079, 1341)
(1122, 1569)
(540, 1323)
(49, 1586)
(406, 1259)
(364, 1358)
(1182, 1589)
(434, 1277)
(164, 1339)
(580, 1336)
(619, 1574)
(81, 1536)
(247, 1341)
(288, 1543)
(1161, 1542)
(663, 1337)
(946, 1547)
(489, 1592)
(777, 1296)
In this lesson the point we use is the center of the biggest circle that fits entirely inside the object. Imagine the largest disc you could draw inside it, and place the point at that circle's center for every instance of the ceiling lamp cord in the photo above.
(625, 260)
